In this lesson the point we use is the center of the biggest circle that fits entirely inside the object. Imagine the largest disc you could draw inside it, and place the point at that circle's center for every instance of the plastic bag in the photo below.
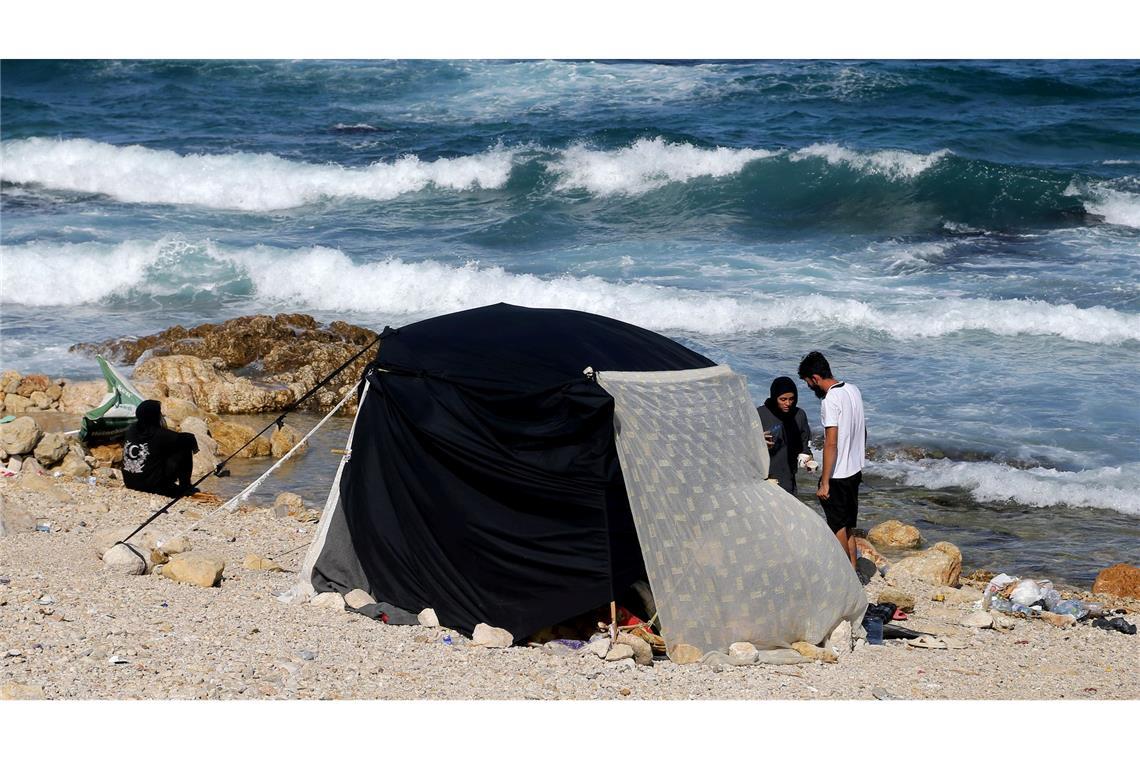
(996, 584)
(1026, 593)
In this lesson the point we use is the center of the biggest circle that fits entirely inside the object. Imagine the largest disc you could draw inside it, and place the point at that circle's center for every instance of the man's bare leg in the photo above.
(848, 544)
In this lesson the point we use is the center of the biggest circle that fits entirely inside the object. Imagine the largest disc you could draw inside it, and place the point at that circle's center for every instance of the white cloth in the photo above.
(842, 408)
(730, 557)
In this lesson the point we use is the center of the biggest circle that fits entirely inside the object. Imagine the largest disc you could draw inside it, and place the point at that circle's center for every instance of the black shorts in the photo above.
(841, 508)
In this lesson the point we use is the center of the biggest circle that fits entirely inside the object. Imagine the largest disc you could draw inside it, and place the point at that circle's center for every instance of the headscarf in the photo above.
(148, 417)
(793, 440)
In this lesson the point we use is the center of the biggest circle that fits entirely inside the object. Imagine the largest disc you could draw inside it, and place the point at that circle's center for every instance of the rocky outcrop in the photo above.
(20, 394)
(200, 381)
(231, 436)
(283, 440)
(1118, 580)
(281, 357)
(893, 534)
(940, 565)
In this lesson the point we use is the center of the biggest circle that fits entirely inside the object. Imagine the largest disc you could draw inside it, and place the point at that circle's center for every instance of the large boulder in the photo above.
(20, 436)
(893, 534)
(197, 568)
(207, 457)
(1118, 580)
(231, 436)
(9, 381)
(74, 466)
(81, 397)
(51, 449)
(200, 381)
(940, 565)
(284, 439)
(16, 404)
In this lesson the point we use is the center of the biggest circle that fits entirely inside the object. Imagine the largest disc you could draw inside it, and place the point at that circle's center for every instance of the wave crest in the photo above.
(239, 181)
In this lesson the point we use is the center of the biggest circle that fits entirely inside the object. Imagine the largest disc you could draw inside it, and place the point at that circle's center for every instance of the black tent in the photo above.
(483, 479)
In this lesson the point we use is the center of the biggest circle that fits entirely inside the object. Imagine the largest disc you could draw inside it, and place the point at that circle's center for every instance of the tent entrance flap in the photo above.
(730, 556)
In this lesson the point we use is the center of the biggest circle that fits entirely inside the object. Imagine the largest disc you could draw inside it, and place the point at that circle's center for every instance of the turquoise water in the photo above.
(962, 239)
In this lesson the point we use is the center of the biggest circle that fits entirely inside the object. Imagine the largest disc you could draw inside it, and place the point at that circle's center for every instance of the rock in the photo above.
(255, 562)
(16, 690)
(496, 638)
(197, 568)
(74, 466)
(31, 384)
(599, 646)
(144, 541)
(619, 652)
(122, 560)
(951, 595)
(358, 598)
(40, 401)
(1060, 621)
(842, 639)
(642, 651)
(15, 464)
(206, 459)
(1002, 622)
(9, 381)
(14, 518)
(289, 502)
(176, 545)
(684, 654)
(979, 619)
(14, 404)
(427, 617)
(893, 534)
(870, 552)
(107, 454)
(80, 397)
(55, 391)
(231, 436)
(289, 352)
(1118, 580)
(193, 379)
(329, 600)
(177, 410)
(900, 599)
(51, 449)
(940, 565)
(283, 440)
(743, 650)
(812, 652)
(20, 436)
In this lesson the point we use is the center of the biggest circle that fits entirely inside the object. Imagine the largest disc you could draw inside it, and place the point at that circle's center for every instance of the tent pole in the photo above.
(613, 621)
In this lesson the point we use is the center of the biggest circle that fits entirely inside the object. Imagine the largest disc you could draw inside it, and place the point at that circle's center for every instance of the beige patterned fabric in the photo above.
(730, 556)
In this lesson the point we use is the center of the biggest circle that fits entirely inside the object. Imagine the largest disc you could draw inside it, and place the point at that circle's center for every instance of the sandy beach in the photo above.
(70, 629)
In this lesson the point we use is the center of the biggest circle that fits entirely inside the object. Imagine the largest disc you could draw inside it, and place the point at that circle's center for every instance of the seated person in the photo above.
(155, 459)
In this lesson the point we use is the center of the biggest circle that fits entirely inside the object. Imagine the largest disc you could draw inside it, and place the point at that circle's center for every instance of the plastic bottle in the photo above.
(1052, 598)
(1001, 604)
(1073, 607)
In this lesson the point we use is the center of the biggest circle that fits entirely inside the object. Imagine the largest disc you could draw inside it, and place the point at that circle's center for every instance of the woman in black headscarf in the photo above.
(786, 431)
(155, 459)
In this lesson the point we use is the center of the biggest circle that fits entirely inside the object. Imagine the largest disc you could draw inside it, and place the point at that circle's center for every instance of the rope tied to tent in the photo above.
(232, 503)
(218, 470)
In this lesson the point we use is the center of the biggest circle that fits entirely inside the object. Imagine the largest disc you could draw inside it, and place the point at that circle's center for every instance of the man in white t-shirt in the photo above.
(844, 445)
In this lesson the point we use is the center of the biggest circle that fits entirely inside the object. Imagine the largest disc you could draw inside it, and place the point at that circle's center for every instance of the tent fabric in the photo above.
(483, 479)
(730, 556)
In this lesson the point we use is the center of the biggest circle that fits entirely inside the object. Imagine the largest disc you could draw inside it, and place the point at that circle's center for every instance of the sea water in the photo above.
(961, 239)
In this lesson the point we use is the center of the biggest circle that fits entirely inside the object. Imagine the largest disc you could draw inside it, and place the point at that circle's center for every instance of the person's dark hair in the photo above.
(815, 364)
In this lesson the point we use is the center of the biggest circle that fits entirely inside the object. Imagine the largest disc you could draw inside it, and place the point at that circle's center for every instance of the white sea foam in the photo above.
(327, 279)
(241, 181)
(893, 164)
(1115, 488)
(646, 165)
(1116, 206)
(74, 273)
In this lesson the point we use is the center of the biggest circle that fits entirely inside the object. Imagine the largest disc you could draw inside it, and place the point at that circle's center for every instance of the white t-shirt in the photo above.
(842, 408)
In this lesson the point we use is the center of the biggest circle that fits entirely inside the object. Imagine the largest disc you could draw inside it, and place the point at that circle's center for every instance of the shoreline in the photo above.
(106, 636)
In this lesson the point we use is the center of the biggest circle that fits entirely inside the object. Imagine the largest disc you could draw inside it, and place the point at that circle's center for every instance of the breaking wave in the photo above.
(328, 279)
(240, 181)
(1114, 488)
